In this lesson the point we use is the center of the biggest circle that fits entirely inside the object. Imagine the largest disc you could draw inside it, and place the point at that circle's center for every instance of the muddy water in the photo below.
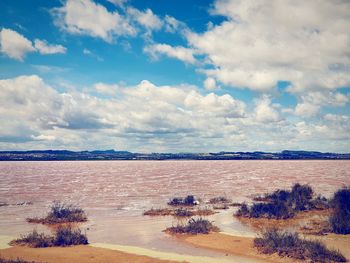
(115, 193)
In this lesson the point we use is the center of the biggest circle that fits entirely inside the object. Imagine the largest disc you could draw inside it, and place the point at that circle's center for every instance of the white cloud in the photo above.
(119, 3)
(145, 18)
(89, 53)
(312, 102)
(147, 117)
(178, 52)
(108, 89)
(210, 84)
(172, 25)
(44, 48)
(265, 112)
(262, 42)
(14, 45)
(85, 17)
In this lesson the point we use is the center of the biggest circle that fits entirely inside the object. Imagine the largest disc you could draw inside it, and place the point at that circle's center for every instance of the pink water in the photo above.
(115, 193)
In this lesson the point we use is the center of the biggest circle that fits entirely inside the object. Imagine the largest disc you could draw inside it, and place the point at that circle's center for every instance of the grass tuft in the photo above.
(182, 212)
(283, 204)
(194, 227)
(219, 200)
(61, 213)
(187, 201)
(18, 260)
(158, 212)
(340, 218)
(290, 245)
(62, 237)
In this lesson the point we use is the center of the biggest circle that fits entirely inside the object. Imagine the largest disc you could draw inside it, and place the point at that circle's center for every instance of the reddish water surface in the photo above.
(115, 193)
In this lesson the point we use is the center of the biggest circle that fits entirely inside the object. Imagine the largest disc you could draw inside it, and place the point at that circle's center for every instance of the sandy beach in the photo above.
(77, 254)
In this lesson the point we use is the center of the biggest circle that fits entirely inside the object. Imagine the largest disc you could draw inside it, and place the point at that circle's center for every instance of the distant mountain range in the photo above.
(61, 155)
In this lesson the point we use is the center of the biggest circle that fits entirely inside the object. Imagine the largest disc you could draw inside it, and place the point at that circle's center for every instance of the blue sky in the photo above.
(175, 76)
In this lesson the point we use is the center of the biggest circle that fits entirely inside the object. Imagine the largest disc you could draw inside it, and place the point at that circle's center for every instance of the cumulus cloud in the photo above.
(107, 89)
(119, 3)
(263, 42)
(85, 17)
(44, 48)
(265, 111)
(14, 45)
(147, 117)
(181, 53)
(210, 84)
(172, 25)
(312, 102)
(145, 18)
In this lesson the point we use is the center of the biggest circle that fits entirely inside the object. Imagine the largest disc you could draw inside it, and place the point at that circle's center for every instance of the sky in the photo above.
(175, 76)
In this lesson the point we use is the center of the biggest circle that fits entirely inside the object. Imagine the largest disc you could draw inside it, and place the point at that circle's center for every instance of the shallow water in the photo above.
(115, 193)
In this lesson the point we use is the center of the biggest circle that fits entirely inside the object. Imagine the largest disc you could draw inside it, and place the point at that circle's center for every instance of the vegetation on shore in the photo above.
(158, 212)
(187, 201)
(283, 204)
(340, 218)
(219, 200)
(179, 212)
(18, 260)
(194, 226)
(63, 236)
(61, 213)
(291, 245)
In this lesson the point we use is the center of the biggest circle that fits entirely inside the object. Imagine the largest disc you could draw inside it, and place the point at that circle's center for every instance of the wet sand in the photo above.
(76, 254)
(242, 246)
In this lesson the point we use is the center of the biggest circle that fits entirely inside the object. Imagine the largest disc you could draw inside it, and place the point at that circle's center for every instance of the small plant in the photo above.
(158, 212)
(61, 213)
(340, 218)
(34, 239)
(290, 245)
(219, 200)
(187, 201)
(283, 204)
(181, 212)
(320, 203)
(68, 236)
(194, 227)
(62, 237)
(18, 260)
(243, 210)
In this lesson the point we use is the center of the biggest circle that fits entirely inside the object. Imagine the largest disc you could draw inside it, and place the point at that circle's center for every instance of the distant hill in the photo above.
(61, 155)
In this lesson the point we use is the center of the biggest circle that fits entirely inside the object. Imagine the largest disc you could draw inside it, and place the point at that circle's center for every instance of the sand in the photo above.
(76, 254)
(236, 245)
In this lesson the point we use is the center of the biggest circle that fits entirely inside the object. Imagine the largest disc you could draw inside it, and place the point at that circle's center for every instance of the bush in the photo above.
(194, 227)
(67, 236)
(63, 236)
(219, 200)
(183, 212)
(34, 239)
(340, 218)
(61, 213)
(158, 212)
(283, 204)
(187, 201)
(243, 210)
(18, 260)
(270, 210)
(300, 197)
(290, 245)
